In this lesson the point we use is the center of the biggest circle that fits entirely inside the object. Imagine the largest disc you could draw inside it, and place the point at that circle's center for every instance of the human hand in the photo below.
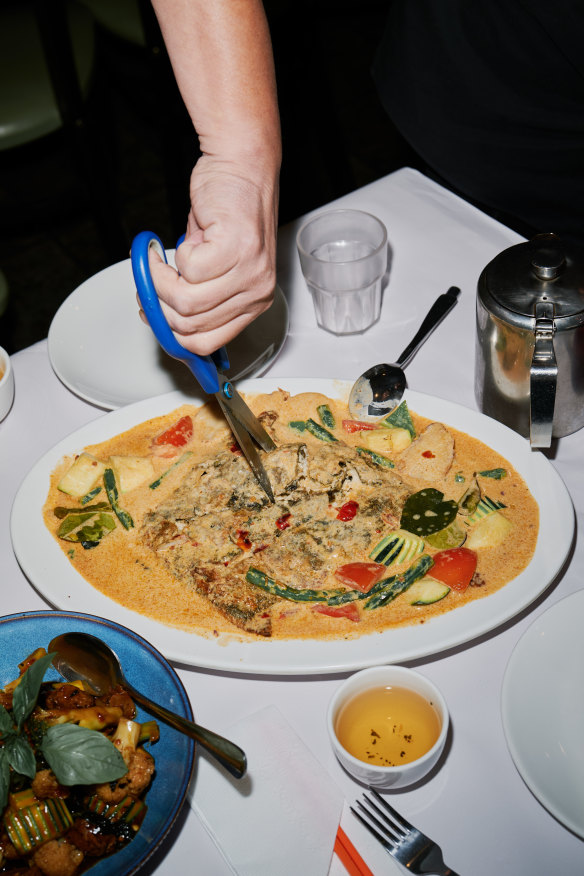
(227, 263)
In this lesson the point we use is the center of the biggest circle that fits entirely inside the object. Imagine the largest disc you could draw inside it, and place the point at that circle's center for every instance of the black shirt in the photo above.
(491, 96)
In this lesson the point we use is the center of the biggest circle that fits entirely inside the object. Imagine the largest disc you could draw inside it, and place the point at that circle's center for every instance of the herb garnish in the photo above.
(76, 755)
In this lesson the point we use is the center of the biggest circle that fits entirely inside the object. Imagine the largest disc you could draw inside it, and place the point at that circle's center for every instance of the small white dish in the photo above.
(6, 384)
(103, 352)
(542, 707)
(388, 777)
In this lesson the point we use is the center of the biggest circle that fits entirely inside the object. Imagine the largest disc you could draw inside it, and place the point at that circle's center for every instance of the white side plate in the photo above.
(103, 352)
(542, 705)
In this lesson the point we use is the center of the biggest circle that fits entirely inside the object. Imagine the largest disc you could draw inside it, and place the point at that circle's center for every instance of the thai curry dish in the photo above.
(374, 525)
(74, 773)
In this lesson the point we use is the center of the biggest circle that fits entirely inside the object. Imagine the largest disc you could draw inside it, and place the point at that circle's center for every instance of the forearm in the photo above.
(222, 60)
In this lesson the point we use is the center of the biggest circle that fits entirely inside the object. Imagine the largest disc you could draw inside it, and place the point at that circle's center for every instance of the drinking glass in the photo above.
(343, 254)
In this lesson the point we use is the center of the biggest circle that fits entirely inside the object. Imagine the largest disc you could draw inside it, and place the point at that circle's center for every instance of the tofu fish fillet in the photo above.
(219, 522)
(429, 457)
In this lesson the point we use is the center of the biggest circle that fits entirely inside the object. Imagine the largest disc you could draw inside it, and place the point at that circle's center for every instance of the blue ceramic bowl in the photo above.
(149, 672)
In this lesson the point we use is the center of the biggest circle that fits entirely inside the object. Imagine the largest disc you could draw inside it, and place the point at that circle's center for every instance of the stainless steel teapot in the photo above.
(529, 370)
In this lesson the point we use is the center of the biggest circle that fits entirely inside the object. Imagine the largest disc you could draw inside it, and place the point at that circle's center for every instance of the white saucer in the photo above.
(103, 352)
(542, 705)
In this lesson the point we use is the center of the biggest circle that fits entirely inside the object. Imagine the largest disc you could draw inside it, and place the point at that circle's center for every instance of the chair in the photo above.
(47, 65)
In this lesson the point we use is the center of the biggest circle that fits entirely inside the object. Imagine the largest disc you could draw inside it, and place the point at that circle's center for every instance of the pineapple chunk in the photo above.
(132, 471)
(489, 532)
(82, 476)
(387, 440)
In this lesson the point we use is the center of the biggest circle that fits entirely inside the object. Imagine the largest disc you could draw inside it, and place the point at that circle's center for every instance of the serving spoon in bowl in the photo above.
(380, 389)
(81, 657)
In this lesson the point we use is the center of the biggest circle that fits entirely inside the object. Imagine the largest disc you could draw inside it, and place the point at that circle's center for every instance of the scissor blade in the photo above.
(240, 411)
(247, 445)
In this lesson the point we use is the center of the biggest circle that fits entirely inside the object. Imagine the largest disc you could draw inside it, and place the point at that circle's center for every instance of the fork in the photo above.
(404, 842)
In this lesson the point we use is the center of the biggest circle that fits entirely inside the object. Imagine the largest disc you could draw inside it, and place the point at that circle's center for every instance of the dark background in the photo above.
(336, 137)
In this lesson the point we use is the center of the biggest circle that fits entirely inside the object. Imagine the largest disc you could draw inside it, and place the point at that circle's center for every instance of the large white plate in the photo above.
(47, 567)
(542, 705)
(103, 352)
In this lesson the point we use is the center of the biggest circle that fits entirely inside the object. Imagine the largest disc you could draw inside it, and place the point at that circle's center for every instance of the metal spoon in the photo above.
(380, 389)
(87, 658)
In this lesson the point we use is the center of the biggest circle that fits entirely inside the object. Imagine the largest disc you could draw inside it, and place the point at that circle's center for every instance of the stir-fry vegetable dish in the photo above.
(73, 773)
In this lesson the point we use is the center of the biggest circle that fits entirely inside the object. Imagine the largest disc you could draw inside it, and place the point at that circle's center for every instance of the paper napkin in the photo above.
(283, 815)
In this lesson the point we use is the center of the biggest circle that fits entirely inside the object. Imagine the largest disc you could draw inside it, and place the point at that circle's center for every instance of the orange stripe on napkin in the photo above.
(349, 856)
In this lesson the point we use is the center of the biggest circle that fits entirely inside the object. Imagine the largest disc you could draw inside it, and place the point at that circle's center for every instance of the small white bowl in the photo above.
(382, 676)
(6, 383)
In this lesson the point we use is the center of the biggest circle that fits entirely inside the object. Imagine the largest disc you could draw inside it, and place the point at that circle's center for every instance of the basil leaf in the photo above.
(25, 694)
(21, 756)
(79, 756)
(4, 779)
(6, 724)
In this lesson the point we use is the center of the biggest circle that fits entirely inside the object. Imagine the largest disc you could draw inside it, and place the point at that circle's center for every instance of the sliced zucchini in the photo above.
(427, 591)
(33, 825)
(128, 809)
(82, 476)
(149, 732)
(378, 440)
(400, 418)
(452, 537)
(485, 507)
(386, 591)
(400, 439)
(132, 471)
(489, 532)
(397, 547)
(387, 440)
(22, 799)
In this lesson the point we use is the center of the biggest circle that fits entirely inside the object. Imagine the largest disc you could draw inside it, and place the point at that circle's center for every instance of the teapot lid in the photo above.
(540, 270)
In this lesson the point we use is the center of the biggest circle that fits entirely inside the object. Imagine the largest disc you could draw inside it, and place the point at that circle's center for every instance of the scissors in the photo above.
(207, 369)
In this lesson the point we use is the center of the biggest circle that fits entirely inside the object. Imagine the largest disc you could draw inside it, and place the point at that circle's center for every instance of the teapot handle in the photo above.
(543, 377)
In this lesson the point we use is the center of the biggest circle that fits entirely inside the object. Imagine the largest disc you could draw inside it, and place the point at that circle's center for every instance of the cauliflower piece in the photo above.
(136, 780)
(45, 785)
(58, 858)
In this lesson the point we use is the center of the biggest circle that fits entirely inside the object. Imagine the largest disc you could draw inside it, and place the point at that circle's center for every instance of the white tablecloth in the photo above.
(476, 806)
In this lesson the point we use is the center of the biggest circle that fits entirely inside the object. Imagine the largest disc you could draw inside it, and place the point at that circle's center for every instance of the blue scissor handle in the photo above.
(204, 368)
